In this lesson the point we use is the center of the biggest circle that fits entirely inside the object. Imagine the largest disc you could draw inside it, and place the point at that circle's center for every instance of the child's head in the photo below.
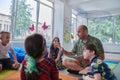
(5, 37)
(55, 41)
(35, 46)
(89, 50)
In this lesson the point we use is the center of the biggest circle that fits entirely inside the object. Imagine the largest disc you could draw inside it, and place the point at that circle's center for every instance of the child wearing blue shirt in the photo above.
(56, 53)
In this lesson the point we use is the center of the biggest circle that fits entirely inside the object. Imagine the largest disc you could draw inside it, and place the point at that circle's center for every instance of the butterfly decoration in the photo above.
(32, 28)
(44, 26)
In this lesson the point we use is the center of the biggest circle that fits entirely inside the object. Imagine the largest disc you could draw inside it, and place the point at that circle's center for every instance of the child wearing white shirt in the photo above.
(5, 60)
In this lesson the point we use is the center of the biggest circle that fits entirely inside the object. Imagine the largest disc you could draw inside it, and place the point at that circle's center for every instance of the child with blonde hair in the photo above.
(5, 60)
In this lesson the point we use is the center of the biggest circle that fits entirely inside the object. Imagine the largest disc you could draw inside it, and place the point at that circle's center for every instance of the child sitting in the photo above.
(35, 66)
(5, 60)
(56, 53)
(99, 69)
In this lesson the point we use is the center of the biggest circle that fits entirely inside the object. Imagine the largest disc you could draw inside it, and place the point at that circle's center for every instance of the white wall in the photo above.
(103, 13)
(67, 27)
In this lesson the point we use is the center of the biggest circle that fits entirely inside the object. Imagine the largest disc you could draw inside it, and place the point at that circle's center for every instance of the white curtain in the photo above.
(58, 20)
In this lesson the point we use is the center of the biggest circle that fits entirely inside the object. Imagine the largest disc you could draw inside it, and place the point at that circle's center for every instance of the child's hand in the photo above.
(85, 70)
(16, 65)
(57, 44)
(0, 67)
(88, 69)
(85, 77)
(61, 49)
(88, 77)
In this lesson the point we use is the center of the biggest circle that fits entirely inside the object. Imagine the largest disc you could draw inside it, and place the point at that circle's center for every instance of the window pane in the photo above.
(102, 28)
(0, 26)
(5, 20)
(46, 15)
(25, 21)
(47, 2)
(117, 35)
(5, 6)
(73, 26)
(73, 29)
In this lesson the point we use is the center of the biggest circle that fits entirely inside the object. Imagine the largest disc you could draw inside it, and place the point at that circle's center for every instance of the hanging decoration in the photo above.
(66, 36)
(32, 28)
(72, 36)
(44, 26)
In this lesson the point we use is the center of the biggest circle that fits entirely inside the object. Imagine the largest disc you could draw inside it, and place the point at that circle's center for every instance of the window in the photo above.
(117, 36)
(4, 27)
(107, 29)
(5, 14)
(47, 2)
(5, 6)
(46, 20)
(0, 26)
(73, 28)
(25, 19)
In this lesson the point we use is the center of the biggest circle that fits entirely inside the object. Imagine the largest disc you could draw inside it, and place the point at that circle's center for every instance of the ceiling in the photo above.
(95, 6)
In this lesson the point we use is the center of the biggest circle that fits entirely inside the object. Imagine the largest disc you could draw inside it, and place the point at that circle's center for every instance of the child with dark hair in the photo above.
(56, 53)
(46, 54)
(99, 69)
(35, 66)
